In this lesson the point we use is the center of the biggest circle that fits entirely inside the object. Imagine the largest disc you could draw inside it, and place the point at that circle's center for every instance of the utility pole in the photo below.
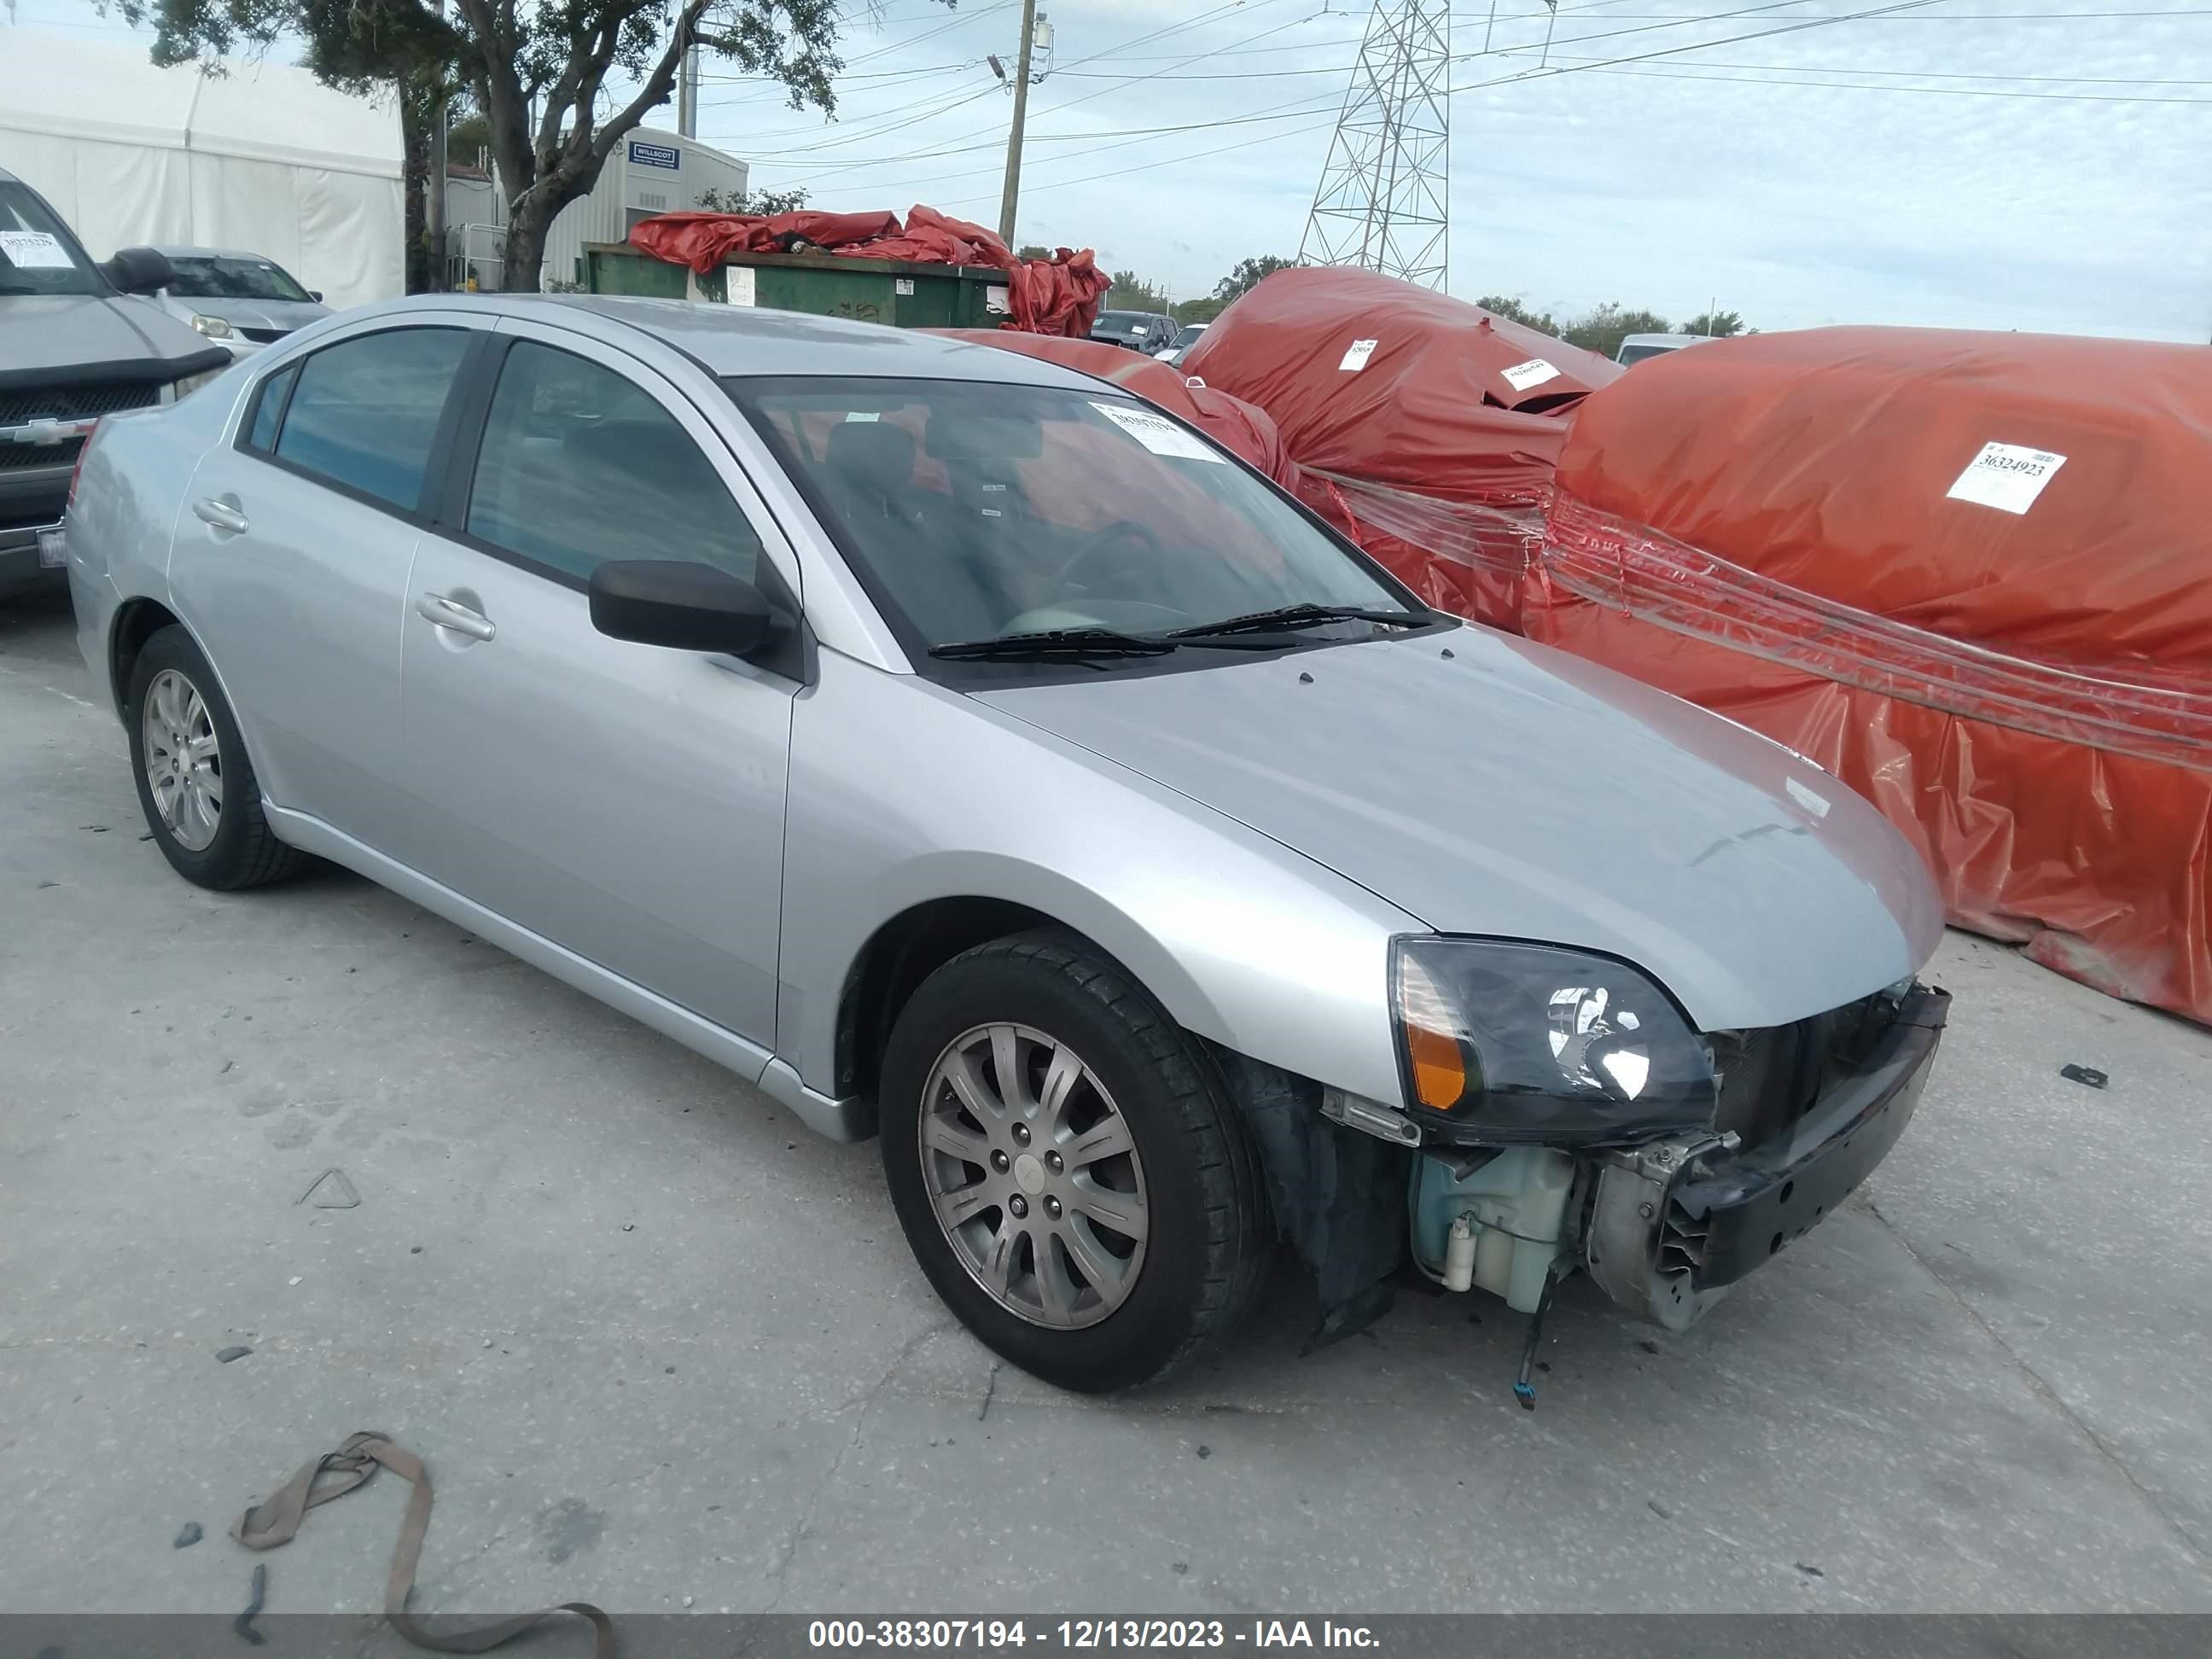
(1014, 136)
(434, 204)
(686, 92)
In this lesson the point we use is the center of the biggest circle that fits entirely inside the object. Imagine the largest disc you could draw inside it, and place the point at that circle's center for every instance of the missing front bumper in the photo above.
(1673, 1225)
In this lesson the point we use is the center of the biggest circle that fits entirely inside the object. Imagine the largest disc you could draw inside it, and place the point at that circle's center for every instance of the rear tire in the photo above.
(196, 784)
(1119, 1157)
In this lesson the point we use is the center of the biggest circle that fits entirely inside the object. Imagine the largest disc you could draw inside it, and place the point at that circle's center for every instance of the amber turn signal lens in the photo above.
(1439, 1070)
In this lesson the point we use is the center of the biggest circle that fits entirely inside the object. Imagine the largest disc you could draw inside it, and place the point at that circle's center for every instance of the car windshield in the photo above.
(1123, 322)
(37, 254)
(227, 276)
(976, 510)
(1637, 354)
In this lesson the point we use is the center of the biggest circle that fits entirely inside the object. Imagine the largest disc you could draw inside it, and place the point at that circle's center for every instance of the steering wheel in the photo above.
(1112, 534)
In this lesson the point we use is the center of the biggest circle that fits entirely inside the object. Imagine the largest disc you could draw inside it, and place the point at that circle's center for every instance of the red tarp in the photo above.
(1230, 422)
(1058, 295)
(1425, 425)
(2009, 650)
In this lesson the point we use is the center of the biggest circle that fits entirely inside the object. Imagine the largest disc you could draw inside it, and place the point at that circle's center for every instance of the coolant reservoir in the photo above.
(1515, 1205)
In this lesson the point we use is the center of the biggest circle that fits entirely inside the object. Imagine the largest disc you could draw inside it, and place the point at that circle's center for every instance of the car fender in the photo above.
(903, 792)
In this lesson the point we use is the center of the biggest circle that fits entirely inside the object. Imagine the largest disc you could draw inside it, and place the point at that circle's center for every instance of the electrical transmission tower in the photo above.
(1382, 203)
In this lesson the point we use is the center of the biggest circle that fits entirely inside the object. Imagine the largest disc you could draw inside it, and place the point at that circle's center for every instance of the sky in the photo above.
(2003, 164)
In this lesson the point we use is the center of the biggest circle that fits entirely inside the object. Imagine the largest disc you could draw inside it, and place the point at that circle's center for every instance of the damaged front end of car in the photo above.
(1561, 1112)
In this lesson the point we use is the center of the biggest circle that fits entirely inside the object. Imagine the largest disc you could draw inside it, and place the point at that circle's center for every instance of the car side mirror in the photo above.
(679, 604)
(316, 294)
(140, 270)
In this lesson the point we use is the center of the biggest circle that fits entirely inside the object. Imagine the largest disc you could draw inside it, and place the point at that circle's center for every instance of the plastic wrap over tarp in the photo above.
(1230, 422)
(1971, 574)
(1058, 295)
(1425, 426)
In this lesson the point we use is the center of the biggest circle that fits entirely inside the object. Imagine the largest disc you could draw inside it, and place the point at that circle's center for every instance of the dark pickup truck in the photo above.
(74, 346)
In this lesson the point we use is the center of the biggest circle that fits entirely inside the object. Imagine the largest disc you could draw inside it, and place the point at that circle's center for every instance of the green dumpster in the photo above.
(893, 291)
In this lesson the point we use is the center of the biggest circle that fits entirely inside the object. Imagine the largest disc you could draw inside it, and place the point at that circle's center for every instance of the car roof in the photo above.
(1665, 339)
(749, 340)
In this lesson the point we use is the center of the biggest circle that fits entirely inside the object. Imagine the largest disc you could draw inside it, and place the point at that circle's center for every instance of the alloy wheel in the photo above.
(183, 760)
(1032, 1173)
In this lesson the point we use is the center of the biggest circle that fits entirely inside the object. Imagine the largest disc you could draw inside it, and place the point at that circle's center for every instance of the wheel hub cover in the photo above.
(1030, 1172)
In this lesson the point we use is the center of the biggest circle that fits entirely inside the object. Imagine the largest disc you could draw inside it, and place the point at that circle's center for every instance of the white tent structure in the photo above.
(261, 158)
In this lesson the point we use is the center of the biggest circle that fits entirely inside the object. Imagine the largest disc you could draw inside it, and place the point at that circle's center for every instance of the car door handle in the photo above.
(451, 613)
(222, 512)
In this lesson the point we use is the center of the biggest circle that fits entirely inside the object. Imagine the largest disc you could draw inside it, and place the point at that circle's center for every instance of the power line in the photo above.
(1869, 86)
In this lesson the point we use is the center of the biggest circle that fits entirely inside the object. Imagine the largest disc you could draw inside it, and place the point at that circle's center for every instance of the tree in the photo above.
(1204, 309)
(1605, 326)
(1513, 312)
(466, 139)
(766, 203)
(1248, 275)
(1719, 325)
(536, 71)
(1130, 292)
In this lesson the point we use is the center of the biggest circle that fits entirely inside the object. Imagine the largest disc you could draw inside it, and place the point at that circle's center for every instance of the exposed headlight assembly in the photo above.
(1505, 1043)
(214, 327)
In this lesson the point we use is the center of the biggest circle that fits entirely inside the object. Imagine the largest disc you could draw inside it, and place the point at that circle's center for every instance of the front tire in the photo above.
(1069, 1173)
(196, 784)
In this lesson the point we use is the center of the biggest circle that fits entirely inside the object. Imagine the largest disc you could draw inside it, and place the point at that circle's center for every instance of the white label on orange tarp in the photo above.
(33, 250)
(1535, 372)
(1357, 354)
(2005, 477)
(1157, 432)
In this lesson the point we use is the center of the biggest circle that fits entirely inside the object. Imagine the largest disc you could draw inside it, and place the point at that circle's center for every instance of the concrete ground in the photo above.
(663, 1348)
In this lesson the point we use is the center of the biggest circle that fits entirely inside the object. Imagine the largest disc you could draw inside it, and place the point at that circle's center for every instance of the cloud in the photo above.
(1666, 183)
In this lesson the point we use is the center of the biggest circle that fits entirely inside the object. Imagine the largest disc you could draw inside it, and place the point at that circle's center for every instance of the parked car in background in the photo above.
(1101, 828)
(1140, 331)
(241, 301)
(1184, 341)
(1636, 347)
(74, 346)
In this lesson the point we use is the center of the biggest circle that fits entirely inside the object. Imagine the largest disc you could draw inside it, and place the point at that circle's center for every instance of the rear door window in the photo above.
(365, 412)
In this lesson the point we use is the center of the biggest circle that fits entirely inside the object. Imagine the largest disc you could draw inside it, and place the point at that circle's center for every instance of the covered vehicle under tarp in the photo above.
(1969, 573)
(1238, 426)
(1058, 295)
(1424, 427)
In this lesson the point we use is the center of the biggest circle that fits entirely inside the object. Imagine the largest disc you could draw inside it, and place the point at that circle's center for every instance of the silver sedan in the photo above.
(967, 753)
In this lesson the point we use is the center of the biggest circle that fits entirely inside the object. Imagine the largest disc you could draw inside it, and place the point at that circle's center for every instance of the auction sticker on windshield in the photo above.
(1157, 432)
(2005, 477)
(1535, 372)
(33, 250)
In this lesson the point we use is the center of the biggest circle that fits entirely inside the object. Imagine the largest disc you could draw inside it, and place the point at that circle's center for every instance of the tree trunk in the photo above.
(525, 259)
(422, 271)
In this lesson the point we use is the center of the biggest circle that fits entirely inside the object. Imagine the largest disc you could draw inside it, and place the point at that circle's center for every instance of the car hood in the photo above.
(45, 336)
(282, 314)
(1489, 786)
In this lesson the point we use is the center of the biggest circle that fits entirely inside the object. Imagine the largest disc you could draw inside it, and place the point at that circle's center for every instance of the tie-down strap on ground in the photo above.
(276, 1521)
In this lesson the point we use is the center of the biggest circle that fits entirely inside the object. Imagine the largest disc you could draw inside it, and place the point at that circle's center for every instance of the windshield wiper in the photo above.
(1058, 643)
(1289, 617)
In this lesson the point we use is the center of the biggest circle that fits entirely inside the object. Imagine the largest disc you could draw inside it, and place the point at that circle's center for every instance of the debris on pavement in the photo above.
(269, 1525)
(236, 1351)
(331, 1190)
(244, 1623)
(2084, 1074)
(188, 1536)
